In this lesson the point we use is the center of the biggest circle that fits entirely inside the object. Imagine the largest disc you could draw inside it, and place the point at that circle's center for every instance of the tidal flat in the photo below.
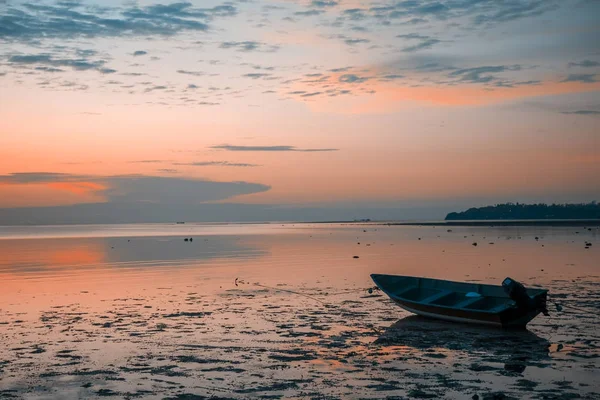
(274, 311)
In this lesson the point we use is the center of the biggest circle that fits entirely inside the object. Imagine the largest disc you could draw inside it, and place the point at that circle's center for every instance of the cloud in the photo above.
(582, 112)
(324, 4)
(356, 14)
(266, 148)
(80, 64)
(479, 11)
(343, 69)
(249, 45)
(415, 21)
(49, 69)
(127, 189)
(584, 78)
(138, 188)
(510, 84)
(413, 36)
(193, 73)
(481, 74)
(513, 10)
(425, 44)
(139, 53)
(351, 78)
(390, 77)
(585, 64)
(39, 177)
(308, 13)
(217, 164)
(156, 87)
(256, 75)
(353, 41)
(67, 20)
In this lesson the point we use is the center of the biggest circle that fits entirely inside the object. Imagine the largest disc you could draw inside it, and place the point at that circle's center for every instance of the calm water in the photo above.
(283, 311)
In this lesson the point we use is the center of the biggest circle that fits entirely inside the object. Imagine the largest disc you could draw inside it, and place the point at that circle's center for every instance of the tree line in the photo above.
(529, 211)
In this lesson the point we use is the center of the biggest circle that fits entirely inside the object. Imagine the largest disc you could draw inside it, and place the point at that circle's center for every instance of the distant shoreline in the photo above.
(491, 223)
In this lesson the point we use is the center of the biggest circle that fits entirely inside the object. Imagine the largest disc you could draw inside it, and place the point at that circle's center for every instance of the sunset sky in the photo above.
(295, 109)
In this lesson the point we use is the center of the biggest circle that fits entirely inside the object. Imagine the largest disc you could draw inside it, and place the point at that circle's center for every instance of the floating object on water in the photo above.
(509, 305)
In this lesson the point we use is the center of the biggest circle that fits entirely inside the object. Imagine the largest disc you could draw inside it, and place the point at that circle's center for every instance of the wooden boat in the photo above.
(509, 305)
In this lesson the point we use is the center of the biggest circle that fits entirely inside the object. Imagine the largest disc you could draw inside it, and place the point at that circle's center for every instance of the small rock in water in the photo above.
(475, 397)
(474, 243)
(186, 239)
(191, 239)
(355, 257)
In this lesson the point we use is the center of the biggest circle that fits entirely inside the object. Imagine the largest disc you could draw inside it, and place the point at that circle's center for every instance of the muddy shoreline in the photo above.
(289, 315)
(491, 224)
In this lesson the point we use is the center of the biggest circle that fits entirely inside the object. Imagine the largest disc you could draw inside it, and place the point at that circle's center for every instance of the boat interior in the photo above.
(440, 293)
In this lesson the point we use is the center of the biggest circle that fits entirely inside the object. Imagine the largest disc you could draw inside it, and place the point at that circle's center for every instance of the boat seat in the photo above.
(436, 296)
(467, 302)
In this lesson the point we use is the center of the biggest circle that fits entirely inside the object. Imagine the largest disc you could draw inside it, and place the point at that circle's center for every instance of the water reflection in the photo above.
(515, 349)
(35, 257)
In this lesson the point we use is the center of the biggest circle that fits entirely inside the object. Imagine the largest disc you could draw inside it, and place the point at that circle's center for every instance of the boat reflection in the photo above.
(515, 349)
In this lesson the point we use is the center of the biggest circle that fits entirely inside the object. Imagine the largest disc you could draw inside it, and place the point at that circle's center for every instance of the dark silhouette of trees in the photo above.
(529, 211)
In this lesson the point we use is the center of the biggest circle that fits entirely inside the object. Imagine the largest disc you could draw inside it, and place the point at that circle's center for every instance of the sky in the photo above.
(146, 111)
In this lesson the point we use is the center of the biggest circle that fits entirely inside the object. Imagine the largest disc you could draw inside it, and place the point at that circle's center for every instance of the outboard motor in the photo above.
(518, 294)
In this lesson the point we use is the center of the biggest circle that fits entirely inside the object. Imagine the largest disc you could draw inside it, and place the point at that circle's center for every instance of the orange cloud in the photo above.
(79, 188)
(468, 95)
(370, 96)
(50, 193)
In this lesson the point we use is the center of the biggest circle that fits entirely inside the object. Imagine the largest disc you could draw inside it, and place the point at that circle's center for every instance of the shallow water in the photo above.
(283, 311)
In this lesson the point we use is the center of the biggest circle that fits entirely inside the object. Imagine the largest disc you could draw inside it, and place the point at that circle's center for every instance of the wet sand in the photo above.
(284, 312)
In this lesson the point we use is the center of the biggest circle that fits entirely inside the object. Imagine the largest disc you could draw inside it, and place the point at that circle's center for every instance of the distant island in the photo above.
(517, 211)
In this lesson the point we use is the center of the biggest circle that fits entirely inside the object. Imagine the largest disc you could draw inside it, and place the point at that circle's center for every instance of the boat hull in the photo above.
(505, 315)
(500, 320)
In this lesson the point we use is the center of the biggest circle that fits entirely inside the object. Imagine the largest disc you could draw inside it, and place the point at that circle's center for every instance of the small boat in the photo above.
(509, 305)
